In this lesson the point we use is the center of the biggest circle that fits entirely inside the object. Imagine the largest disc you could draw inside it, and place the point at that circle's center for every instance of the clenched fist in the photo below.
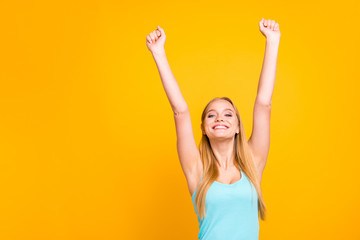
(270, 29)
(155, 41)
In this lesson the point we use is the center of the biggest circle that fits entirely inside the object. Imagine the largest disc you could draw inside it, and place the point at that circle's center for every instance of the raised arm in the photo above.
(259, 140)
(187, 150)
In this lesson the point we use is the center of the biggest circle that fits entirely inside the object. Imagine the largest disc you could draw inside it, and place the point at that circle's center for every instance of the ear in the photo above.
(202, 129)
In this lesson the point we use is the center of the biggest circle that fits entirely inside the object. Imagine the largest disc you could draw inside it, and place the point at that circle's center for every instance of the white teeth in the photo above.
(220, 127)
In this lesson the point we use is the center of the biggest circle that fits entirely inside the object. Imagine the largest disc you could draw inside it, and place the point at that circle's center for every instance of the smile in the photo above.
(220, 127)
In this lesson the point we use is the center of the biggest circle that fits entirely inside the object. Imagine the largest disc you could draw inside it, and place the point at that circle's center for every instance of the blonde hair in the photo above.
(243, 158)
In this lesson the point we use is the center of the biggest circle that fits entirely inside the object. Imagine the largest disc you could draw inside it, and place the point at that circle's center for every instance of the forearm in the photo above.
(268, 72)
(171, 87)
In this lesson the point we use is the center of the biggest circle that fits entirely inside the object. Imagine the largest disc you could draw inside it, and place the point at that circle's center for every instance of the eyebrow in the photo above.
(224, 110)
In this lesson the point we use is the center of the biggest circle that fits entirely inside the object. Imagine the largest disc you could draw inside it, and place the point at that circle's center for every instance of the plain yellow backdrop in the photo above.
(87, 135)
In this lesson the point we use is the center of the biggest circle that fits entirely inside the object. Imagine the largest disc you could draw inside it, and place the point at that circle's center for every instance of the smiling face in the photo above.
(220, 120)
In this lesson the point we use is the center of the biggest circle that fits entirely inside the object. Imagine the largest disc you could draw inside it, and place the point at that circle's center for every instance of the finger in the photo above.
(265, 22)
(148, 39)
(261, 23)
(276, 26)
(155, 34)
(268, 23)
(152, 36)
(272, 24)
(158, 33)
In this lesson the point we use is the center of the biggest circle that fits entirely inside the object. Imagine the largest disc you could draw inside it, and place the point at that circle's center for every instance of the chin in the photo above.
(222, 137)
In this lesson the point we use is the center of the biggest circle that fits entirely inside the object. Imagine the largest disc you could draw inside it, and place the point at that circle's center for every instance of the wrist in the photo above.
(273, 41)
(159, 53)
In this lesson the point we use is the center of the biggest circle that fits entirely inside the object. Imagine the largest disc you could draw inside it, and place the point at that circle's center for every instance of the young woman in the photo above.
(224, 173)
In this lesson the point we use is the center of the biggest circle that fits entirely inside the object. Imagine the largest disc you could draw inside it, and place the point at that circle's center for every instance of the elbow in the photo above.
(263, 103)
(263, 100)
(180, 111)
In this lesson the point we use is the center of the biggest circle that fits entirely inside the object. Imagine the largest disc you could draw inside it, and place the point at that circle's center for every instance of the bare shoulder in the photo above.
(193, 178)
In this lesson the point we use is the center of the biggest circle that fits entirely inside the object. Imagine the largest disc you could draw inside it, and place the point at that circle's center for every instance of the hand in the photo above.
(155, 41)
(270, 29)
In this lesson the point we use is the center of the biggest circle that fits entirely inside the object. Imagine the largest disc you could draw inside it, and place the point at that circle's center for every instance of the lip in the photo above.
(220, 125)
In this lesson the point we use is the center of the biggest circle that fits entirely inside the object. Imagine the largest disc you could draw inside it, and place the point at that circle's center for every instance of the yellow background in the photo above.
(87, 136)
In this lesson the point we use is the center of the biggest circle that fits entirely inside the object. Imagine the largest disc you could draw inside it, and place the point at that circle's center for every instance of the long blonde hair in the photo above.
(243, 158)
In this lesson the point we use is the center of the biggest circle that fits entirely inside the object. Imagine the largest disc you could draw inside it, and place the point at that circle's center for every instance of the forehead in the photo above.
(220, 105)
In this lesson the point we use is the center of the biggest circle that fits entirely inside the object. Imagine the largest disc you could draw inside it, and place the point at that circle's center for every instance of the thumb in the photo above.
(161, 30)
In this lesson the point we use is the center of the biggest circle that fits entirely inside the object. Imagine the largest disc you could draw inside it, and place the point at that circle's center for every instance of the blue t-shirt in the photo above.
(231, 211)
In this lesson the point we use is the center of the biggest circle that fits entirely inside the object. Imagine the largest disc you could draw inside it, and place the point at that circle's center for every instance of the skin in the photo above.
(221, 140)
(259, 140)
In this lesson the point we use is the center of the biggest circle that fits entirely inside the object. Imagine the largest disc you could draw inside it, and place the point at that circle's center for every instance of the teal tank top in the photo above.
(231, 211)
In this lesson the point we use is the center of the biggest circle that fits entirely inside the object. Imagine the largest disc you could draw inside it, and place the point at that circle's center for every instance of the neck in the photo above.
(224, 152)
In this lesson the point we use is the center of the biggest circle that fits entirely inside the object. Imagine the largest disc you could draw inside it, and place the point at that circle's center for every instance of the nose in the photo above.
(217, 120)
